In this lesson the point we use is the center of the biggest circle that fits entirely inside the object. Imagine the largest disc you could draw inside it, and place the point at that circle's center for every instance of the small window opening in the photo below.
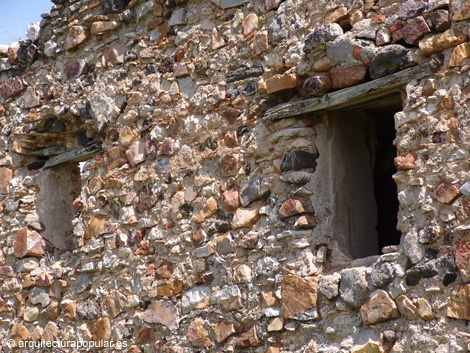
(362, 155)
(59, 186)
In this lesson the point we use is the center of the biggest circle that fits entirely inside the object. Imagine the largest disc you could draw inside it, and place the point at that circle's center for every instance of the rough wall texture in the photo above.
(201, 225)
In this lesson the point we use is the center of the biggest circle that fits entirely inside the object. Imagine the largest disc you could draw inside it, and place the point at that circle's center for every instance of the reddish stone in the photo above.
(114, 158)
(440, 42)
(19, 333)
(76, 36)
(29, 243)
(2, 110)
(219, 94)
(102, 330)
(462, 253)
(143, 249)
(44, 280)
(50, 313)
(357, 53)
(411, 8)
(136, 153)
(379, 308)
(337, 15)
(446, 193)
(231, 139)
(231, 115)
(222, 331)
(249, 240)
(95, 226)
(458, 306)
(70, 310)
(245, 217)
(383, 37)
(198, 236)
(405, 162)
(5, 178)
(164, 269)
(78, 204)
(429, 88)
(181, 70)
(317, 85)
(75, 68)
(267, 5)
(268, 298)
(170, 289)
(46, 93)
(7, 271)
(305, 221)
(348, 76)
(298, 295)
(31, 98)
(248, 338)
(197, 333)
(397, 35)
(460, 10)
(273, 349)
(146, 335)
(228, 165)
(168, 147)
(12, 87)
(281, 82)
(113, 55)
(414, 30)
(440, 20)
(231, 199)
(260, 42)
(293, 207)
(135, 349)
(250, 24)
(13, 53)
(395, 27)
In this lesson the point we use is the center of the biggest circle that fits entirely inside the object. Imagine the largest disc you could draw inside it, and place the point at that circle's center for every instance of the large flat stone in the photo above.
(459, 303)
(5, 178)
(12, 87)
(440, 42)
(379, 308)
(298, 295)
(162, 312)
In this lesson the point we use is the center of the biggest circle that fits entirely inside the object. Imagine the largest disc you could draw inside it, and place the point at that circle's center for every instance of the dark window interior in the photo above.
(385, 188)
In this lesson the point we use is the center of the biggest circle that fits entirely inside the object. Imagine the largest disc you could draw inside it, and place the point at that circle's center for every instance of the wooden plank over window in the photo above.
(77, 155)
(351, 96)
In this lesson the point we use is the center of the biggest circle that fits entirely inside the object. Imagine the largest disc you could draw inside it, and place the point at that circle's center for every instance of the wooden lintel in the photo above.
(349, 96)
(77, 155)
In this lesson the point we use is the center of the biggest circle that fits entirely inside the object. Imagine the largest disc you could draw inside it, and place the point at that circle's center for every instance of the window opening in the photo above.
(364, 192)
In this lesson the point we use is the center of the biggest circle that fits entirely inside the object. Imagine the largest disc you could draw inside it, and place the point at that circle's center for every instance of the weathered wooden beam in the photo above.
(349, 96)
(77, 155)
(49, 151)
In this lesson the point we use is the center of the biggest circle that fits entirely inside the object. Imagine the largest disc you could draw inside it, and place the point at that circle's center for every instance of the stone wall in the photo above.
(149, 195)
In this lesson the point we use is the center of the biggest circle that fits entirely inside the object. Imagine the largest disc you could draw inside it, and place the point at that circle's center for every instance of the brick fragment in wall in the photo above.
(347, 76)
(294, 207)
